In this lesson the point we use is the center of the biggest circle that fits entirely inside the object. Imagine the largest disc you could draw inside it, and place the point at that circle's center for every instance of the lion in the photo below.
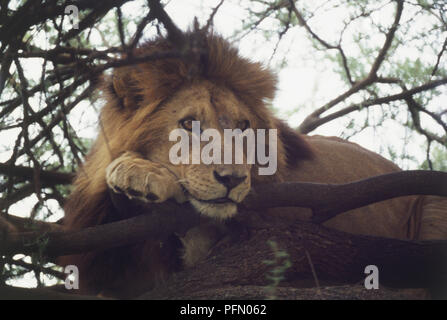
(222, 90)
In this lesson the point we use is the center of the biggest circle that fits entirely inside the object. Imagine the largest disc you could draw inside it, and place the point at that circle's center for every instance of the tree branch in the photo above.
(313, 120)
(338, 258)
(47, 177)
(175, 35)
(388, 40)
(165, 219)
(14, 293)
(249, 292)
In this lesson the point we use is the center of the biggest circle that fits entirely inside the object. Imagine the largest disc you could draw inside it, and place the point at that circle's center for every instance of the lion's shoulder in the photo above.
(337, 160)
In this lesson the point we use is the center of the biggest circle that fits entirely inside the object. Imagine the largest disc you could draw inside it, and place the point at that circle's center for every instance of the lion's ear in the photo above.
(125, 88)
(295, 147)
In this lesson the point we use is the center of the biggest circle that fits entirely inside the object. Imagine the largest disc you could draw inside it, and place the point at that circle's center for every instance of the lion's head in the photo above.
(221, 90)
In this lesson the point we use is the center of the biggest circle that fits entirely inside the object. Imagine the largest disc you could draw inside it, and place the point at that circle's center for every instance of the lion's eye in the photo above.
(187, 123)
(243, 125)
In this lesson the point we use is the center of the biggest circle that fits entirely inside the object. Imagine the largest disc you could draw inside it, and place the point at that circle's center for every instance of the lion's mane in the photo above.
(128, 122)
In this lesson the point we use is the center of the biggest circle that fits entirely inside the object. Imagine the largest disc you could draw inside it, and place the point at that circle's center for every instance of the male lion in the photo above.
(222, 90)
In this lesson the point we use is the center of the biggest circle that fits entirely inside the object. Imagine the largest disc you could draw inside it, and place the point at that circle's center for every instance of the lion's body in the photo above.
(339, 161)
(130, 156)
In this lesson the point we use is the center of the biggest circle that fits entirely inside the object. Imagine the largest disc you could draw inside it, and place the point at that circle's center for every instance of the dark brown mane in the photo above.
(129, 122)
(210, 57)
(219, 62)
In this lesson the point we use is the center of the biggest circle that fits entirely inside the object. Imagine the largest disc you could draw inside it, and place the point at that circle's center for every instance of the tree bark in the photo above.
(169, 217)
(337, 258)
(318, 255)
(347, 292)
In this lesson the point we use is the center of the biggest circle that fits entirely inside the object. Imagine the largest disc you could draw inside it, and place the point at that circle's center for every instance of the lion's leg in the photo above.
(434, 218)
(198, 242)
(142, 179)
(202, 240)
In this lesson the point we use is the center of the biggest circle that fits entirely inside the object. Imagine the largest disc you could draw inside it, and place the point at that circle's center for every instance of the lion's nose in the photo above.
(229, 181)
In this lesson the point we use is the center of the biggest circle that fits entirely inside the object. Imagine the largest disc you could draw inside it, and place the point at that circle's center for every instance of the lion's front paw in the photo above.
(142, 179)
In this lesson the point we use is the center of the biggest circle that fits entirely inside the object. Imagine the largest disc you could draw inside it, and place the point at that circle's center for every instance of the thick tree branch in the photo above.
(47, 177)
(26, 224)
(338, 258)
(248, 292)
(315, 252)
(165, 219)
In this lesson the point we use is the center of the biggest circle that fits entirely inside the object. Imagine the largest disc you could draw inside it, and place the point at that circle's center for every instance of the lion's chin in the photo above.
(215, 210)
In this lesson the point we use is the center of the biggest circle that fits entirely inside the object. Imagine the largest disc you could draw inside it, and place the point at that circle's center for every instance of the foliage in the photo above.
(280, 263)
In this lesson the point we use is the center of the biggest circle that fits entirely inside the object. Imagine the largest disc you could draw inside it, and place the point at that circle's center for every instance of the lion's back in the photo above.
(339, 161)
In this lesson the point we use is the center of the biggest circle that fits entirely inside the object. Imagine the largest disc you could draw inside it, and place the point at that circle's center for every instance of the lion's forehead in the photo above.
(210, 103)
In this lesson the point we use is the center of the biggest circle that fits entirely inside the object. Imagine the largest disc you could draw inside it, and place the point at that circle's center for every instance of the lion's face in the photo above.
(221, 90)
(213, 189)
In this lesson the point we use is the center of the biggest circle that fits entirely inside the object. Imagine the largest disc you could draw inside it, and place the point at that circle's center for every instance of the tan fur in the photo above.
(145, 103)
(339, 161)
(199, 240)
